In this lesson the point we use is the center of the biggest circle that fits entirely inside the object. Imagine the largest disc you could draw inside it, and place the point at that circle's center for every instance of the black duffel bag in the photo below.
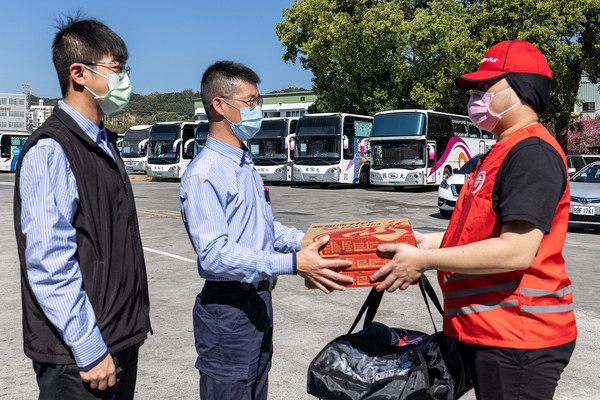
(383, 363)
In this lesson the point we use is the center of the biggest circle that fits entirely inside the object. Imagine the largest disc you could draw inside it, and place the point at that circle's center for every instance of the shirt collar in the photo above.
(240, 156)
(92, 130)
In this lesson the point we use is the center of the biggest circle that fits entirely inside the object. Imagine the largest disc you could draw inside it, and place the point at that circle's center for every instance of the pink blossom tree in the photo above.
(584, 134)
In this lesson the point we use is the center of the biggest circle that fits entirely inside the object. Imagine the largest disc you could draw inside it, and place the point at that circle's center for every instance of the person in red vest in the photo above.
(507, 296)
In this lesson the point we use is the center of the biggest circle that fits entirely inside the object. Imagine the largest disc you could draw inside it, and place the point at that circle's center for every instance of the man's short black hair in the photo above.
(80, 40)
(221, 80)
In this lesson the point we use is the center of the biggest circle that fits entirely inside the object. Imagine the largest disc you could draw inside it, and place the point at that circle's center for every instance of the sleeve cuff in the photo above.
(90, 351)
(284, 264)
(93, 364)
(299, 238)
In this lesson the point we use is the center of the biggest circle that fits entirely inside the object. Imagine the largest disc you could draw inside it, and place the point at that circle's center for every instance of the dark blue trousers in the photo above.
(233, 331)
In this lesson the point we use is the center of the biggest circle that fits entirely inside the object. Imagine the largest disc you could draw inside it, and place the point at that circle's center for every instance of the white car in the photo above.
(450, 187)
(585, 196)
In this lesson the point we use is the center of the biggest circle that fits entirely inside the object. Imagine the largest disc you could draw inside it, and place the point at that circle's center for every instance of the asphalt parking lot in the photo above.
(305, 320)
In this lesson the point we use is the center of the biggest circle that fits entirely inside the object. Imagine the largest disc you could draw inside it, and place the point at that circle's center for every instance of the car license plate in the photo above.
(312, 178)
(158, 175)
(129, 169)
(578, 210)
(264, 177)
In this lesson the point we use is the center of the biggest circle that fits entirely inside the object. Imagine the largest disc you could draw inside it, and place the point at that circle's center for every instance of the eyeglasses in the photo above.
(117, 66)
(252, 102)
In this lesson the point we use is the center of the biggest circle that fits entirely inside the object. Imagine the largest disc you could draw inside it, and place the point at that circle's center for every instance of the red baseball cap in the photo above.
(504, 58)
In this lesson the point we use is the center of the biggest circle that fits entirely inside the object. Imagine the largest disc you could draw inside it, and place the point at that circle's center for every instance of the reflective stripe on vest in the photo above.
(475, 308)
(458, 277)
(481, 290)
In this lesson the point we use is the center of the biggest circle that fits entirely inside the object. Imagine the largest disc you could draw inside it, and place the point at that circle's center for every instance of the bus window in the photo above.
(459, 127)
(349, 134)
(439, 128)
(474, 131)
(293, 124)
(188, 134)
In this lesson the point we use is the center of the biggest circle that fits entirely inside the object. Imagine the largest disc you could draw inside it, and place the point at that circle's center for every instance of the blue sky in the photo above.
(170, 42)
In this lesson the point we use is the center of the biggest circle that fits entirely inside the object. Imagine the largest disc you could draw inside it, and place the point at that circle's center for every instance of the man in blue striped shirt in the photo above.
(83, 278)
(241, 249)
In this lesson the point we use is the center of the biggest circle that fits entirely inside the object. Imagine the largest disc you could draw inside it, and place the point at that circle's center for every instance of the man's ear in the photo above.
(76, 74)
(217, 105)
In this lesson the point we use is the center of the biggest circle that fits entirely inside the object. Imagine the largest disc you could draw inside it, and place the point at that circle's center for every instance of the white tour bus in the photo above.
(272, 149)
(332, 148)
(422, 147)
(201, 135)
(134, 149)
(171, 149)
(11, 145)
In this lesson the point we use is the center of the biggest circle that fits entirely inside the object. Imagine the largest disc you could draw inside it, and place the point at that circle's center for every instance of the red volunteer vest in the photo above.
(526, 309)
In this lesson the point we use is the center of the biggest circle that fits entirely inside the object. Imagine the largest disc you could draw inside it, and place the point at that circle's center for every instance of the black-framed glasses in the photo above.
(120, 67)
(252, 101)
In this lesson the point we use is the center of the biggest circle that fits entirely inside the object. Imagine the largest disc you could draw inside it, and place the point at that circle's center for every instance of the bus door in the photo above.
(482, 147)
(431, 160)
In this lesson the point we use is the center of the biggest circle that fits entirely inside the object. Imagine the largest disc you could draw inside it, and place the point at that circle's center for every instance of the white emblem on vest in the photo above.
(478, 182)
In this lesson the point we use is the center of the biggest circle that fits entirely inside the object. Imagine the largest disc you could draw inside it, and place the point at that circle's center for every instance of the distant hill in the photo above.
(146, 109)
(152, 108)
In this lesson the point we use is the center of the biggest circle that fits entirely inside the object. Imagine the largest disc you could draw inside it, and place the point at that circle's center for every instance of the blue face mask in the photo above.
(250, 123)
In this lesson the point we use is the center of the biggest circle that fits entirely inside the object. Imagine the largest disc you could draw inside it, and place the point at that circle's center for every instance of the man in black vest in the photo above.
(83, 276)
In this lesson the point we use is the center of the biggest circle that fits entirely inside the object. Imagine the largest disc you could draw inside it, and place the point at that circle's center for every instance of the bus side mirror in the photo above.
(345, 142)
(431, 153)
(285, 145)
(572, 171)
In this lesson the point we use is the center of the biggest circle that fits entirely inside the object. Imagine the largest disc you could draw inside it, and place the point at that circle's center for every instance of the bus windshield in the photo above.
(268, 146)
(318, 126)
(131, 140)
(407, 154)
(399, 124)
(323, 149)
(201, 134)
(162, 138)
(8, 142)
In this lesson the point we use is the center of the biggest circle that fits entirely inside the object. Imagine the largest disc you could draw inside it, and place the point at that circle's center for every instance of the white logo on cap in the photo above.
(490, 59)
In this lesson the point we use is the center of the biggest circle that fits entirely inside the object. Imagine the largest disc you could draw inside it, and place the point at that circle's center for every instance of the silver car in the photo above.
(585, 196)
(450, 188)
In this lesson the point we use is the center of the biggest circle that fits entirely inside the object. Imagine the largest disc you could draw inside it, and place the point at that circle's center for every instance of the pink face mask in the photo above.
(479, 109)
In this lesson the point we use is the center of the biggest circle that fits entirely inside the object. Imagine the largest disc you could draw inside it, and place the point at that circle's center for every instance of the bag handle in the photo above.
(425, 286)
(372, 304)
(373, 300)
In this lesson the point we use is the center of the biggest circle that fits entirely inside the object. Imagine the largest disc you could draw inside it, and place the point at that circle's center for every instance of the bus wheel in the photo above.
(323, 185)
(447, 173)
(363, 178)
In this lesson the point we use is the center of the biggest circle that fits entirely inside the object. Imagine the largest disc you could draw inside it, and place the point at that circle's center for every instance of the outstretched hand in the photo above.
(407, 266)
(311, 266)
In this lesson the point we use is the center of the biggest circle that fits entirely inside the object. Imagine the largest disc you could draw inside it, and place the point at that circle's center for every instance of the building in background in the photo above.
(13, 112)
(39, 114)
(589, 97)
(280, 104)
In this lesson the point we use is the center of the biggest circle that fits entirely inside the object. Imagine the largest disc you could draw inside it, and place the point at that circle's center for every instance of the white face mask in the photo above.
(479, 109)
(119, 92)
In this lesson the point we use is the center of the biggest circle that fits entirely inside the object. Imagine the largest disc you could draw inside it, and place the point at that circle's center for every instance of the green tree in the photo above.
(370, 55)
(353, 48)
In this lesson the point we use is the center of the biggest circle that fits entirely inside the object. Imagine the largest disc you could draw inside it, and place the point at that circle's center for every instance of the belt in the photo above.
(262, 286)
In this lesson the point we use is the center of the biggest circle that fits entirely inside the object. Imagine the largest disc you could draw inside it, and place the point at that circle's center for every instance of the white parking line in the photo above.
(164, 253)
(7, 183)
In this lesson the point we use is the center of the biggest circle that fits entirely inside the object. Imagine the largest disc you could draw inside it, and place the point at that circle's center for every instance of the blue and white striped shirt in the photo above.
(49, 199)
(229, 220)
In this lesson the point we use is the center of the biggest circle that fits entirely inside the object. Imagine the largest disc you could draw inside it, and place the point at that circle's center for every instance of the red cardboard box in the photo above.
(356, 237)
(357, 241)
